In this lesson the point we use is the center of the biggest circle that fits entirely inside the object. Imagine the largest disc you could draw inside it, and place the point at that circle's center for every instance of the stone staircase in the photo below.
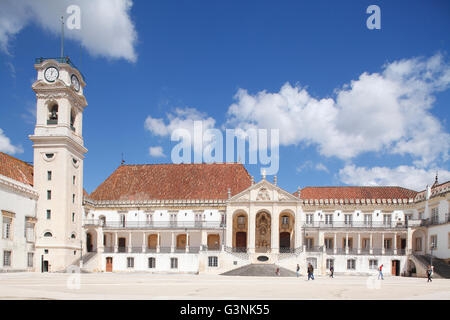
(441, 268)
(260, 270)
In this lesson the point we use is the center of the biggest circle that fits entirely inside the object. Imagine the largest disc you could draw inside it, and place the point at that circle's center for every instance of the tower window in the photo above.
(73, 236)
(49, 194)
(73, 180)
(73, 216)
(49, 175)
(49, 214)
(53, 115)
(48, 234)
(73, 198)
(72, 120)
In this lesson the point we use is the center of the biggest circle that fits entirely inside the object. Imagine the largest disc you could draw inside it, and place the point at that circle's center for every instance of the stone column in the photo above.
(359, 243)
(143, 242)
(116, 242)
(335, 243)
(204, 239)
(395, 243)
(251, 232)
(275, 234)
(409, 241)
(172, 246)
(371, 244)
(229, 230)
(158, 243)
(100, 245)
(129, 242)
(346, 243)
(322, 240)
(382, 243)
(187, 242)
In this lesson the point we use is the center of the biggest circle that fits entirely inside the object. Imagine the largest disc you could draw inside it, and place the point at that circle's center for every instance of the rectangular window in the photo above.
(309, 243)
(49, 214)
(49, 194)
(130, 262)
(309, 219)
(7, 227)
(122, 220)
(285, 220)
(73, 198)
(330, 263)
(420, 215)
(73, 180)
(387, 219)
(73, 216)
(435, 215)
(351, 264)
(313, 262)
(368, 219)
(329, 243)
(174, 263)
(173, 219)
(213, 261)
(373, 264)
(152, 263)
(388, 244)
(328, 219)
(348, 219)
(30, 259)
(366, 243)
(49, 175)
(433, 241)
(6, 258)
(349, 244)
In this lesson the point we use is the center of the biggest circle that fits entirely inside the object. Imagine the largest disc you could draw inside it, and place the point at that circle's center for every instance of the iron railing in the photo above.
(60, 60)
(155, 224)
(354, 225)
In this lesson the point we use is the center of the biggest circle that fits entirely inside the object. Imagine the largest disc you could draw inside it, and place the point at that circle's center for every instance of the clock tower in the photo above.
(58, 162)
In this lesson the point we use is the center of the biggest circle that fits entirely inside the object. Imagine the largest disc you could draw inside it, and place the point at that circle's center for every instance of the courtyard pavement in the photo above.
(95, 286)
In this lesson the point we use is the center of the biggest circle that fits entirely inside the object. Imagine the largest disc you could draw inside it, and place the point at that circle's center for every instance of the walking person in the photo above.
(380, 272)
(429, 273)
(331, 271)
(298, 270)
(310, 272)
(277, 272)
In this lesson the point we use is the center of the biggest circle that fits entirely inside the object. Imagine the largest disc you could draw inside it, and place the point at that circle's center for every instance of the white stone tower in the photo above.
(58, 163)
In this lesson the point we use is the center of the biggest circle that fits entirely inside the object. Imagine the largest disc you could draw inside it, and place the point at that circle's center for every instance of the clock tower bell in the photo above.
(58, 162)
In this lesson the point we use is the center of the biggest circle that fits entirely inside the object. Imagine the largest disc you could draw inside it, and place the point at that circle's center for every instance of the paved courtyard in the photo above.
(191, 287)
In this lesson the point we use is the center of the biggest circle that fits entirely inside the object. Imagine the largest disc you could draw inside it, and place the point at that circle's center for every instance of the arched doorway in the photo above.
(263, 232)
(240, 227)
(419, 241)
(286, 231)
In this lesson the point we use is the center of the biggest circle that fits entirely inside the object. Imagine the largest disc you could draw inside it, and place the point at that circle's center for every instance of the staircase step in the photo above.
(260, 270)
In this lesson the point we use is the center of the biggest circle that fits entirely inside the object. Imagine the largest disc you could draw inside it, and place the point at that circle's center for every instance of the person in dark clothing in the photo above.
(298, 270)
(310, 272)
(331, 271)
(429, 272)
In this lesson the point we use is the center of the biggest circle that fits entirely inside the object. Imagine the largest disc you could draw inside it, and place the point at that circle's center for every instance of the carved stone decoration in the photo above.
(263, 194)
(263, 232)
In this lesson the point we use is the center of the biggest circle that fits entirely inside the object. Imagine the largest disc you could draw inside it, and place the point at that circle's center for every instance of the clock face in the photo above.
(75, 82)
(51, 74)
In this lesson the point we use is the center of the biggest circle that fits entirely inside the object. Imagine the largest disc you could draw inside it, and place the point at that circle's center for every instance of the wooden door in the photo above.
(181, 241)
(285, 240)
(152, 241)
(395, 268)
(241, 240)
(109, 264)
(122, 244)
(213, 242)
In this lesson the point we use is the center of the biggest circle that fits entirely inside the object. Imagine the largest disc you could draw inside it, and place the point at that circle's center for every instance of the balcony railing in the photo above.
(154, 224)
(354, 225)
(314, 249)
(432, 221)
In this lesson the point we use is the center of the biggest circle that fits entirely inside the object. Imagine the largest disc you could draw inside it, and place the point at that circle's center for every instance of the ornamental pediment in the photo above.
(263, 191)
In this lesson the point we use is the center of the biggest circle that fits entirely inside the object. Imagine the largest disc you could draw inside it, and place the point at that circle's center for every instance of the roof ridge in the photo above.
(17, 159)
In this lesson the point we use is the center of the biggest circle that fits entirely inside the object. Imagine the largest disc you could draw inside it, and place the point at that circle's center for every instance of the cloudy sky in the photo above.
(353, 106)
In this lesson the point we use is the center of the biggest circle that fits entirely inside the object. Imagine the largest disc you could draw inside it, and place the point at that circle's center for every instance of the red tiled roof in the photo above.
(173, 182)
(356, 193)
(16, 169)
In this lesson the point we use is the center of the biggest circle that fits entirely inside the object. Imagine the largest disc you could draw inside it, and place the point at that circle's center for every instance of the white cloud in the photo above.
(181, 119)
(6, 146)
(308, 165)
(404, 176)
(156, 152)
(106, 26)
(321, 167)
(387, 112)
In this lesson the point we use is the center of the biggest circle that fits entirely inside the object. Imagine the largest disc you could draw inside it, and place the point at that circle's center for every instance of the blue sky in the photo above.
(174, 61)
